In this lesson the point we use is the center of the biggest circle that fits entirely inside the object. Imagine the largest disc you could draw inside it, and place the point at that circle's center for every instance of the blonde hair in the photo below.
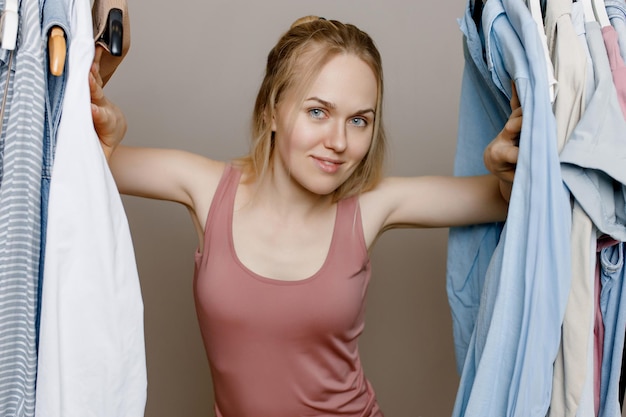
(294, 62)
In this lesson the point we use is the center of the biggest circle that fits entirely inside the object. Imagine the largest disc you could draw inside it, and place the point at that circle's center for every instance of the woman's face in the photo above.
(321, 141)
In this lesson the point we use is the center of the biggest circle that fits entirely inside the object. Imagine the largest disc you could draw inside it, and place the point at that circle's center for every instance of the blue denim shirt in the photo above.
(53, 13)
(508, 367)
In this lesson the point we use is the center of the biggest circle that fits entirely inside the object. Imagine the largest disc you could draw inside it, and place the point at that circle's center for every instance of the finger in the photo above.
(516, 112)
(510, 154)
(95, 90)
(514, 97)
(95, 65)
(96, 74)
(504, 153)
(513, 127)
(99, 114)
(508, 175)
(98, 56)
(102, 121)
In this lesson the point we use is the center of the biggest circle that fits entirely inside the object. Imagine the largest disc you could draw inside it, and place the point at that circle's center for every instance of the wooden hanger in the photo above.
(57, 50)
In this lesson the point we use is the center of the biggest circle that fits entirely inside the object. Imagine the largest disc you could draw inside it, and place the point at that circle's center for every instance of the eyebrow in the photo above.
(333, 106)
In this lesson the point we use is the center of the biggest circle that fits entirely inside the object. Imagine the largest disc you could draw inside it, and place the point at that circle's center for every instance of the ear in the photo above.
(270, 116)
(273, 121)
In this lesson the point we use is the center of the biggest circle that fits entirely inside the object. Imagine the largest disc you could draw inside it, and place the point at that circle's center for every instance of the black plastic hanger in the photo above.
(113, 35)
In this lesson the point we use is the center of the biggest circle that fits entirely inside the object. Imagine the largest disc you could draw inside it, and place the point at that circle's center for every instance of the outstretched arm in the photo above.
(439, 201)
(164, 174)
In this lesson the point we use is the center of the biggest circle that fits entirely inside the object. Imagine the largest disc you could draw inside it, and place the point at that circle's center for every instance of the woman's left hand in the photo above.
(501, 154)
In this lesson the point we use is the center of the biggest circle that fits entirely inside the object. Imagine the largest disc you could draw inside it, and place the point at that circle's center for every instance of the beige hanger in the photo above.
(57, 50)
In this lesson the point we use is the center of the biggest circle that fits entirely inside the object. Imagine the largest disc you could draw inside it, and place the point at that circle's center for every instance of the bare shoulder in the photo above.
(375, 209)
(204, 178)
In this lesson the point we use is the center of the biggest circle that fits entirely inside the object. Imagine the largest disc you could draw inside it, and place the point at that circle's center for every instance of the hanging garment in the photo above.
(91, 347)
(569, 56)
(54, 13)
(586, 405)
(570, 63)
(592, 161)
(484, 109)
(616, 9)
(598, 339)
(508, 368)
(20, 185)
(583, 262)
(612, 276)
(611, 352)
(616, 63)
(599, 123)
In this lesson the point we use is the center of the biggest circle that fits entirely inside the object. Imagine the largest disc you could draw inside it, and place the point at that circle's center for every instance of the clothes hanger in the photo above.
(113, 35)
(8, 25)
(57, 50)
(111, 31)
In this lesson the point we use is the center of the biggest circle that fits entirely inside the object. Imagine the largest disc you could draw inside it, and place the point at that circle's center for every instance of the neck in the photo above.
(283, 196)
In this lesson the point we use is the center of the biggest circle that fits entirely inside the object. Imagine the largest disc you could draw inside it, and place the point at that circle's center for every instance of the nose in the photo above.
(337, 138)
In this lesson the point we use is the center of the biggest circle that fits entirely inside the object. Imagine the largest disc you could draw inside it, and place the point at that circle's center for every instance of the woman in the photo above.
(282, 265)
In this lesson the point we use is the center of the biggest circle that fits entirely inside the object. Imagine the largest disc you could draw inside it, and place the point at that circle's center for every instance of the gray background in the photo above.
(189, 82)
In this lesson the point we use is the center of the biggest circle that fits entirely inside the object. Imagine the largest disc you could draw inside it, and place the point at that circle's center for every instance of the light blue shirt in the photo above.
(484, 109)
(616, 9)
(508, 367)
(613, 307)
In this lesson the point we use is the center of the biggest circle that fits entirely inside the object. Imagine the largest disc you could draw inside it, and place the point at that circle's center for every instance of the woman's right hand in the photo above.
(108, 119)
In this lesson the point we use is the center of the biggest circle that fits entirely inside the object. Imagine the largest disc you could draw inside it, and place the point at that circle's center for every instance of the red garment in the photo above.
(284, 348)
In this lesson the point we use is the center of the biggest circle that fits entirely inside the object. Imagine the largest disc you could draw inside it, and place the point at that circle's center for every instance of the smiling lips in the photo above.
(327, 165)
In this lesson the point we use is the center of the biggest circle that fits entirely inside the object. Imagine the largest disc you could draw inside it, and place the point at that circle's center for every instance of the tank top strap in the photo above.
(222, 203)
(349, 227)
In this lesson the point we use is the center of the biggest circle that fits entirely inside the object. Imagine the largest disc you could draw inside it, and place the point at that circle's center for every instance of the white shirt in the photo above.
(92, 354)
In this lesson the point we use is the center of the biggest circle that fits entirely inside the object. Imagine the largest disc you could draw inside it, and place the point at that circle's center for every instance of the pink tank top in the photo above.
(283, 348)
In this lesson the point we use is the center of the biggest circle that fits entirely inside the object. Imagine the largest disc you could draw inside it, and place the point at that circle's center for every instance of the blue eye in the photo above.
(316, 113)
(358, 121)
